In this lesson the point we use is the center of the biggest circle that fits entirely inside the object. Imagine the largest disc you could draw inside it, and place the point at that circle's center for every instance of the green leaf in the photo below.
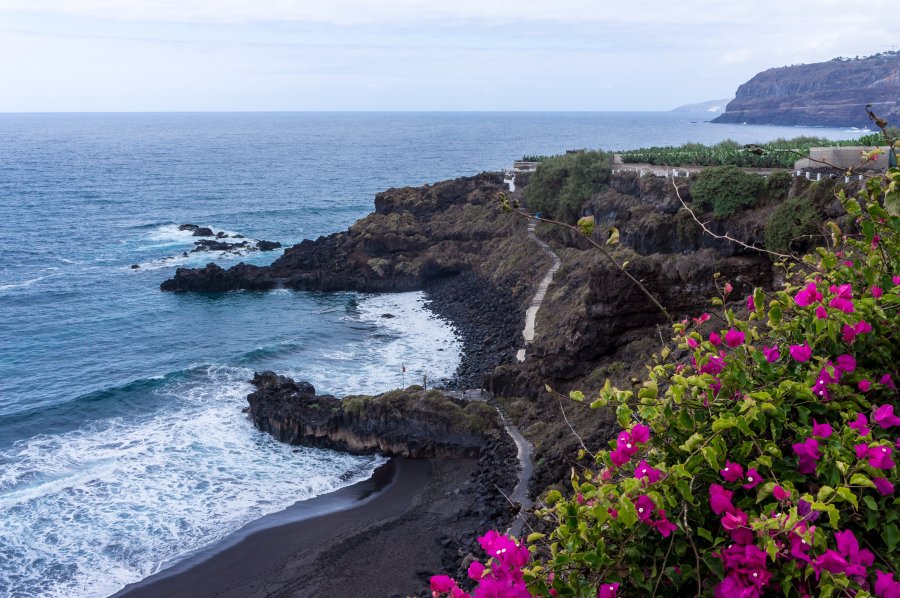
(613, 235)
(723, 423)
(775, 315)
(711, 455)
(577, 395)
(586, 225)
(704, 533)
(870, 502)
(553, 497)
(891, 536)
(535, 537)
(858, 479)
(691, 443)
(825, 492)
(845, 494)
(627, 513)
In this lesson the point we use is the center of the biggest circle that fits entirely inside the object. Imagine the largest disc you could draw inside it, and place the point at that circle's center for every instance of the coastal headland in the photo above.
(480, 269)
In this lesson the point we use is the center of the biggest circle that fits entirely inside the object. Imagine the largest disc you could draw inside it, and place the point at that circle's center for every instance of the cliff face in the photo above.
(832, 94)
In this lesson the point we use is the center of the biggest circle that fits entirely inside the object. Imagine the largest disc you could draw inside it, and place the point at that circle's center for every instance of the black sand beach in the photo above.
(381, 537)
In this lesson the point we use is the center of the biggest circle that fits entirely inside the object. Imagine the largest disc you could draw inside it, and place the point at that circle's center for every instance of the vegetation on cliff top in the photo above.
(561, 184)
(762, 459)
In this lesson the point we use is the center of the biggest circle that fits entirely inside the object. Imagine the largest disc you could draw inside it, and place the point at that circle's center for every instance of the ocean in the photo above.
(122, 443)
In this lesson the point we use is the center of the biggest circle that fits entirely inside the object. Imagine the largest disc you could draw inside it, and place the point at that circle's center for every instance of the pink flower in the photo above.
(715, 339)
(650, 475)
(614, 513)
(720, 499)
(734, 338)
(885, 586)
(751, 304)
(728, 288)
(801, 353)
(619, 458)
(808, 454)
(821, 313)
(713, 366)
(645, 508)
(884, 417)
(808, 295)
(846, 363)
(475, 571)
(732, 472)
(691, 343)
(844, 298)
(608, 590)
(441, 583)
(877, 292)
(771, 353)
(864, 385)
(780, 493)
(884, 487)
(703, 318)
(753, 479)
(734, 520)
(896, 279)
(880, 457)
(640, 433)
(663, 525)
(626, 444)
(860, 424)
(861, 450)
(850, 332)
(821, 430)
(886, 380)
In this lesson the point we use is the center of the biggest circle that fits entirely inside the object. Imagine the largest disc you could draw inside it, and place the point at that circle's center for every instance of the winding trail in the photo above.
(531, 313)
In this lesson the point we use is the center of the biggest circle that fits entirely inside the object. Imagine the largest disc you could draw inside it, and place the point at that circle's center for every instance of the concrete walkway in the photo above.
(523, 449)
(531, 313)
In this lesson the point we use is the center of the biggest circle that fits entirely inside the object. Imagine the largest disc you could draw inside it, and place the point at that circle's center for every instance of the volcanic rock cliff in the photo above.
(829, 94)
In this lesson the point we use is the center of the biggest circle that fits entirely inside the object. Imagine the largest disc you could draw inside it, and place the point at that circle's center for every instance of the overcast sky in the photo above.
(163, 55)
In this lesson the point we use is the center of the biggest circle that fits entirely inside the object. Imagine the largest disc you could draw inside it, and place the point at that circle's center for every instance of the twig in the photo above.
(687, 532)
(726, 236)
(514, 504)
(665, 560)
(580, 441)
(605, 253)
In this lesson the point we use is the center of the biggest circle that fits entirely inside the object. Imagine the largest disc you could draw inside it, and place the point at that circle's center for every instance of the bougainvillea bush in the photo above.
(762, 461)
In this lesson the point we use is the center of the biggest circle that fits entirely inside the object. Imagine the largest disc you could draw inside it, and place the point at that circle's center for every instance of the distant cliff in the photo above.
(829, 94)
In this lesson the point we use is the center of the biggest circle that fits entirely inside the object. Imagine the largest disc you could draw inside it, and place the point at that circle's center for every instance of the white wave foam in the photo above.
(93, 510)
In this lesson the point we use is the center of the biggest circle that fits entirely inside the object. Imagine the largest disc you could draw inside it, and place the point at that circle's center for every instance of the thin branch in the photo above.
(687, 532)
(602, 249)
(580, 441)
(726, 236)
(663, 570)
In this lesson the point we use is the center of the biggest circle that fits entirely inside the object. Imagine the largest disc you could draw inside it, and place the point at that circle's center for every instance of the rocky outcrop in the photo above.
(830, 94)
(415, 235)
(411, 423)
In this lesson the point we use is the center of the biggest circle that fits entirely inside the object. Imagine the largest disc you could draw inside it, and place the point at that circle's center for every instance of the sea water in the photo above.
(122, 442)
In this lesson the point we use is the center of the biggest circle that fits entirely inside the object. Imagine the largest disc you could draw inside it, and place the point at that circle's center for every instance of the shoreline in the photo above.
(253, 559)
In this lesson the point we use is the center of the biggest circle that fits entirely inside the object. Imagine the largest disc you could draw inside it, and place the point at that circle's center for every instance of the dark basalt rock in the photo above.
(203, 232)
(188, 227)
(411, 423)
(211, 245)
(267, 245)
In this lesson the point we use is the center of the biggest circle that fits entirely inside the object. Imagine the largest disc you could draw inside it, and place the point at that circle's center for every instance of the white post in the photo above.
(818, 176)
(807, 176)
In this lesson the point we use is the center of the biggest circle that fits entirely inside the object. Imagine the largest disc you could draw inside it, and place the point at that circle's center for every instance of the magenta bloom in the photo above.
(864, 385)
(887, 381)
(896, 279)
(821, 313)
(857, 559)
(884, 417)
(753, 479)
(799, 544)
(885, 586)
(808, 295)
(884, 487)
(880, 457)
(751, 304)
(650, 475)
(821, 430)
(780, 493)
(715, 339)
(844, 305)
(877, 292)
(734, 520)
(732, 472)
(626, 444)
(860, 424)
(846, 363)
(771, 353)
(746, 574)
(640, 433)
(851, 332)
(703, 318)
(808, 454)
(691, 343)
(475, 570)
(441, 583)
(645, 507)
(734, 338)
(801, 353)
(663, 525)
(714, 366)
(608, 590)
(619, 458)
(861, 450)
(720, 499)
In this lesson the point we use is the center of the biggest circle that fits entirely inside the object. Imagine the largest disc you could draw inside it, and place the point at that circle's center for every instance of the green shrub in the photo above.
(560, 185)
(791, 224)
(778, 184)
(725, 189)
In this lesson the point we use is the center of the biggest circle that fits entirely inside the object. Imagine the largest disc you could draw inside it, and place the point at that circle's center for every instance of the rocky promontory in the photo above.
(827, 94)
(410, 422)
